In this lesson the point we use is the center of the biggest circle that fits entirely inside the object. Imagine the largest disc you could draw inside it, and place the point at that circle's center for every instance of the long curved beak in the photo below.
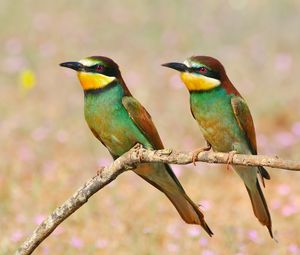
(177, 66)
(73, 65)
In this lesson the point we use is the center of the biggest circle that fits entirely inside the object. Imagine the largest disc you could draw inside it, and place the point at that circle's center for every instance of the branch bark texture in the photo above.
(130, 160)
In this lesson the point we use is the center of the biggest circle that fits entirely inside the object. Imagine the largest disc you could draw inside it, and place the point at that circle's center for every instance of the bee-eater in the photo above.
(225, 121)
(119, 122)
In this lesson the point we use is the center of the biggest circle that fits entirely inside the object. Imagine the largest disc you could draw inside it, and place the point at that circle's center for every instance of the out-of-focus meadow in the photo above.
(47, 151)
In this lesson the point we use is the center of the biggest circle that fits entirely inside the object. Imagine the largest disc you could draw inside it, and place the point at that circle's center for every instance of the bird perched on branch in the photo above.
(119, 122)
(225, 121)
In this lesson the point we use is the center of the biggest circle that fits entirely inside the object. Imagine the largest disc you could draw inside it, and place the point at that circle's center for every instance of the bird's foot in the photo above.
(99, 171)
(230, 159)
(137, 146)
(137, 151)
(198, 151)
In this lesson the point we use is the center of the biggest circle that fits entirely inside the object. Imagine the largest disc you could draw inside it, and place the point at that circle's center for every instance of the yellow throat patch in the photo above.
(93, 80)
(198, 82)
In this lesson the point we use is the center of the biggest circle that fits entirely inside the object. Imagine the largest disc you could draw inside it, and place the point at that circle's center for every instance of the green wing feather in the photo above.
(142, 120)
(244, 119)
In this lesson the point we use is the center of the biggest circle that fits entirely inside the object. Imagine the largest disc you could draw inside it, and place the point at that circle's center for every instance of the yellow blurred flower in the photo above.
(27, 80)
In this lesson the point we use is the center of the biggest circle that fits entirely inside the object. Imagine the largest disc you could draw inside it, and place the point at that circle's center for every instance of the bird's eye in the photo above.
(99, 68)
(202, 70)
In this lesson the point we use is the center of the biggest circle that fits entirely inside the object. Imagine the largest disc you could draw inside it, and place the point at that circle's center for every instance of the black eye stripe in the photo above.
(98, 68)
(209, 73)
(195, 69)
(111, 71)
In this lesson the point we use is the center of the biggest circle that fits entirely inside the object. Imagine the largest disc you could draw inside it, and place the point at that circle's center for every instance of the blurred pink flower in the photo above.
(76, 242)
(283, 62)
(16, 236)
(252, 234)
(296, 128)
(294, 249)
(283, 189)
(38, 219)
(284, 139)
(289, 210)
(203, 241)
(25, 153)
(101, 243)
(193, 231)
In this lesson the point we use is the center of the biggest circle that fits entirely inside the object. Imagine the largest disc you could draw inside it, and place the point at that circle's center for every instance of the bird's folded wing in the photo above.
(244, 119)
(142, 120)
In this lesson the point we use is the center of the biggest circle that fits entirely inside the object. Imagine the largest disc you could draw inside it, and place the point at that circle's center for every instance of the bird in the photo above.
(119, 122)
(225, 121)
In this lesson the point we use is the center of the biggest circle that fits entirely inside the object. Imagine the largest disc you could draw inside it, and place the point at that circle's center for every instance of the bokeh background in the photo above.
(47, 151)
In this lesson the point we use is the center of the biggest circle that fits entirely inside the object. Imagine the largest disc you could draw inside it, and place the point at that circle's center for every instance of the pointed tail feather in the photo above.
(188, 210)
(162, 177)
(263, 173)
(260, 207)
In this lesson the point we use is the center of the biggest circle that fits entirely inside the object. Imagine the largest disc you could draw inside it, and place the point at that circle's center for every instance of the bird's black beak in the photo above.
(177, 66)
(73, 65)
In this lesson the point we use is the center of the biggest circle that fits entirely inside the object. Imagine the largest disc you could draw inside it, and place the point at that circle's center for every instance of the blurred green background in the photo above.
(47, 151)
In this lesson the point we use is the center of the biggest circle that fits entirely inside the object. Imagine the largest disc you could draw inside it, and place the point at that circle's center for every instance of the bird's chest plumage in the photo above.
(110, 122)
(213, 112)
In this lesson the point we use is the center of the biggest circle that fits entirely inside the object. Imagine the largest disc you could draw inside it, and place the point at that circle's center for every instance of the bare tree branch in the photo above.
(128, 161)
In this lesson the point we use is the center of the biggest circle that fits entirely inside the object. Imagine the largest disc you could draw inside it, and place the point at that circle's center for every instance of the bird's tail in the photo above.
(162, 177)
(260, 207)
